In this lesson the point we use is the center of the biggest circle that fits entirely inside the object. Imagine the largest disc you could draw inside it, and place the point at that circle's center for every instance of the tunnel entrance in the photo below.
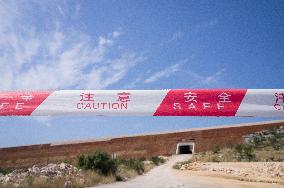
(185, 148)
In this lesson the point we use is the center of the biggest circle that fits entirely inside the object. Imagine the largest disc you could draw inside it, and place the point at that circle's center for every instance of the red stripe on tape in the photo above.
(20, 103)
(201, 102)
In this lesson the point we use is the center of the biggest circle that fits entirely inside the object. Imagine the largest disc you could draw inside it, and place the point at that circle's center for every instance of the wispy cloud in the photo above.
(175, 37)
(168, 71)
(214, 77)
(198, 80)
(58, 58)
(134, 83)
(206, 25)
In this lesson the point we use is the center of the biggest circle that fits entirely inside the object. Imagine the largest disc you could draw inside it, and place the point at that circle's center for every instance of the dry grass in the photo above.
(5, 186)
(127, 173)
(225, 155)
(269, 154)
(124, 170)
(92, 178)
(178, 165)
(148, 166)
(88, 178)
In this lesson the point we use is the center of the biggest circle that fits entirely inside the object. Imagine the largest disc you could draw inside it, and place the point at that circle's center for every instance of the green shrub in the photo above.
(5, 171)
(216, 148)
(81, 161)
(134, 164)
(258, 140)
(142, 159)
(277, 138)
(98, 161)
(244, 152)
(157, 160)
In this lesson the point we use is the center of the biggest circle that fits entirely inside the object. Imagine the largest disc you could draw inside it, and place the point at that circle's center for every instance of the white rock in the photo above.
(68, 184)
(6, 179)
(62, 166)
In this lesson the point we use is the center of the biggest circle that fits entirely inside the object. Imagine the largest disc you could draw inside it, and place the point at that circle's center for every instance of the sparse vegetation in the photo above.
(216, 148)
(99, 161)
(103, 164)
(272, 138)
(157, 160)
(5, 171)
(210, 156)
(90, 178)
(29, 181)
(262, 146)
(134, 164)
(95, 168)
(244, 152)
(178, 165)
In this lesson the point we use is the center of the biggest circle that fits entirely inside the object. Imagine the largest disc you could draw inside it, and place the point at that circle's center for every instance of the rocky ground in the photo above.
(193, 175)
(50, 171)
(272, 172)
(64, 175)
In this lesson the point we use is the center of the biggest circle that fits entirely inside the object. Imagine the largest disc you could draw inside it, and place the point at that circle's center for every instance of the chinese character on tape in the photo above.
(27, 97)
(20, 106)
(279, 101)
(123, 97)
(224, 97)
(4, 105)
(190, 97)
(87, 97)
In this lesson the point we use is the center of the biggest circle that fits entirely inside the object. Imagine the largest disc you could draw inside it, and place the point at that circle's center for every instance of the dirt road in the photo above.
(165, 176)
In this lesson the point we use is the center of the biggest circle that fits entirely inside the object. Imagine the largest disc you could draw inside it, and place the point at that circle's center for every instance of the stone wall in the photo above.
(131, 146)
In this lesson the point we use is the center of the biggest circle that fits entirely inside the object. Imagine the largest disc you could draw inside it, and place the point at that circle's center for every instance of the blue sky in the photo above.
(52, 45)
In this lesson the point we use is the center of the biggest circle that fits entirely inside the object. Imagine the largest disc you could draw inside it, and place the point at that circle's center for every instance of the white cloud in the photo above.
(112, 71)
(165, 73)
(57, 58)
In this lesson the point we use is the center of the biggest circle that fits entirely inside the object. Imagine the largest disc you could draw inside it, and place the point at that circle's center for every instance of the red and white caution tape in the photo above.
(182, 102)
